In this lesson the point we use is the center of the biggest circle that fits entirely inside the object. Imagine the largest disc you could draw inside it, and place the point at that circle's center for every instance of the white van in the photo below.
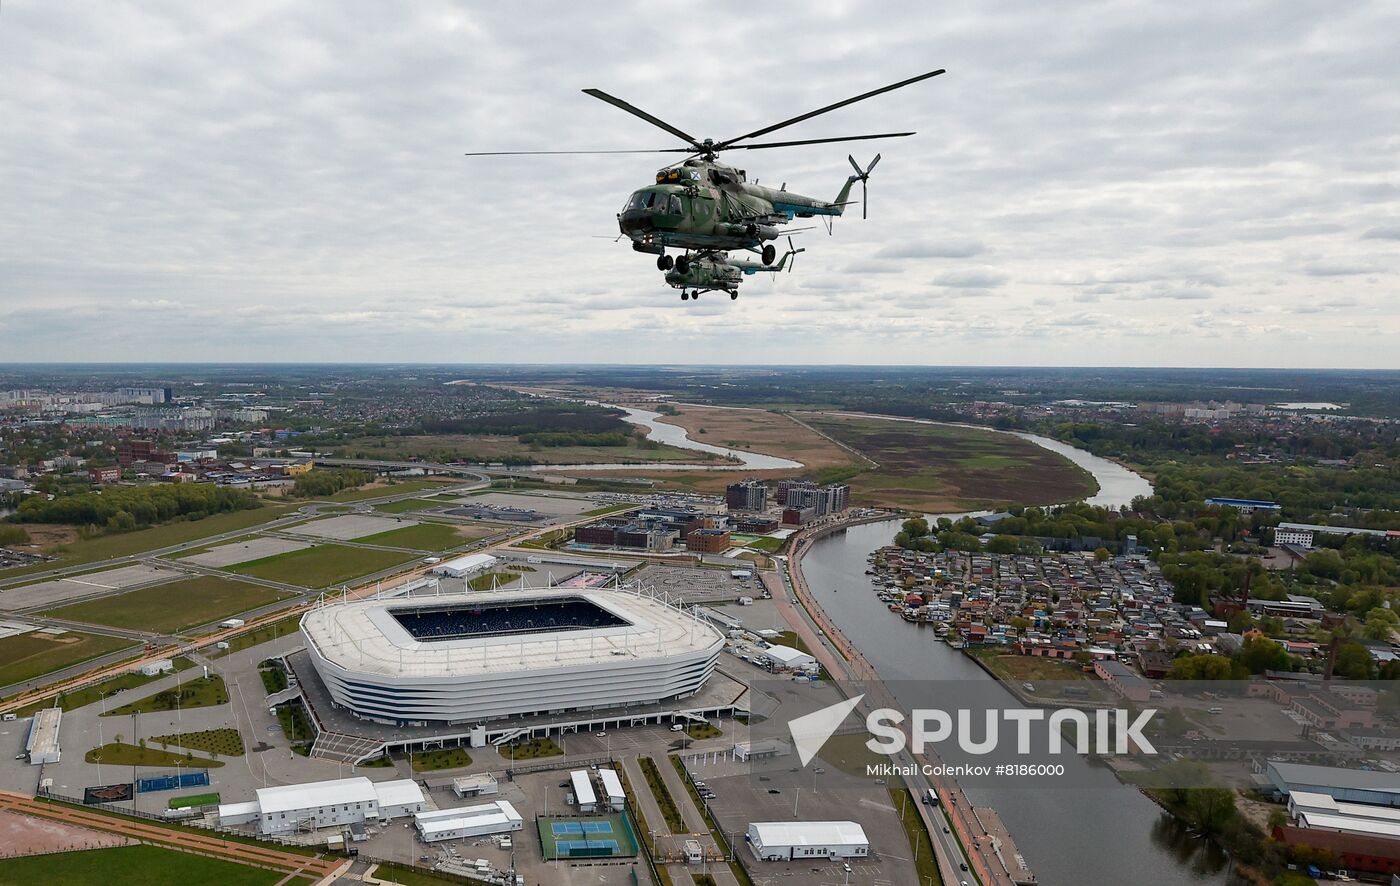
(679, 727)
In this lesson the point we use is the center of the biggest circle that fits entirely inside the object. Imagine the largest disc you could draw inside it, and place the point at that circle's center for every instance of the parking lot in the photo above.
(348, 527)
(695, 585)
(244, 551)
(64, 590)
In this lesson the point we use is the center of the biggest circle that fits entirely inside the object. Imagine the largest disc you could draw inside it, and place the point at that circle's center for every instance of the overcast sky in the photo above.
(1122, 183)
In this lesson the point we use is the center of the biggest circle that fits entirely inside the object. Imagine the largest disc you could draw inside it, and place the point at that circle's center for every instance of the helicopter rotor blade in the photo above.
(536, 153)
(864, 199)
(841, 104)
(854, 165)
(871, 168)
(638, 112)
(817, 141)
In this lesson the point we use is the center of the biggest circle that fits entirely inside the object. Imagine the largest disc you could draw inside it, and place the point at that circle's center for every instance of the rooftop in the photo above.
(809, 833)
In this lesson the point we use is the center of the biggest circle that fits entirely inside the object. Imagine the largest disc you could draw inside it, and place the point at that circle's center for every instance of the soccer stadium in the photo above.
(474, 657)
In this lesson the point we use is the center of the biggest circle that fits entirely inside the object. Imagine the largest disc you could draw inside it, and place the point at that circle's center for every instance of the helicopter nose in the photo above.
(635, 220)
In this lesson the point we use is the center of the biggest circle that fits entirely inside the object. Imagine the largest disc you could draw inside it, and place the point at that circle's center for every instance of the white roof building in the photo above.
(464, 566)
(583, 790)
(789, 840)
(468, 821)
(788, 657)
(42, 743)
(612, 787)
(320, 804)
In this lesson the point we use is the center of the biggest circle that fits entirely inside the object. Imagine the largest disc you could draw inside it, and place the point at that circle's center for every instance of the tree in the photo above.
(1260, 654)
(1379, 623)
(1102, 555)
(1353, 661)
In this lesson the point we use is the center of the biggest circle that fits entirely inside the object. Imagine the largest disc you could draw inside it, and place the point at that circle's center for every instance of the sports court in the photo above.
(603, 836)
(350, 526)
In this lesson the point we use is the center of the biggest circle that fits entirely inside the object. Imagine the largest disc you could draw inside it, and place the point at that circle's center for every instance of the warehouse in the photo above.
(472, 657)
(1342, 785)
(289, 808)
(469, 821)
(798, 840)
(42, 744)
(465, 566)
(787, 657)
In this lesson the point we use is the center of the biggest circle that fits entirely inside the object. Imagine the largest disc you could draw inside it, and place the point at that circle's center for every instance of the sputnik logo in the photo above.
(811, 731)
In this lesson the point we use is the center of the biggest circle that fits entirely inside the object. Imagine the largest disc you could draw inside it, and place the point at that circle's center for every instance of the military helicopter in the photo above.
(718, 272)
(703, 205)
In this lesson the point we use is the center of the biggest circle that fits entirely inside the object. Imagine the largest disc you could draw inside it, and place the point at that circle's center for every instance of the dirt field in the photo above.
(758, 430)
(46, 534)
(26, 835)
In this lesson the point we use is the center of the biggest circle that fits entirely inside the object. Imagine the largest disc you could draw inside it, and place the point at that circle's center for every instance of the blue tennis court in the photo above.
(561, 828)
(601, 837)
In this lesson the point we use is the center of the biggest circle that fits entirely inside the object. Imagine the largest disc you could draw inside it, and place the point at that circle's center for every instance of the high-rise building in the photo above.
(821, 500)
(748, 495)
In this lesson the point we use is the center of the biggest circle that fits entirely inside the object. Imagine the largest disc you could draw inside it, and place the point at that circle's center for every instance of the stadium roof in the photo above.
(809, 833)
(361, 635)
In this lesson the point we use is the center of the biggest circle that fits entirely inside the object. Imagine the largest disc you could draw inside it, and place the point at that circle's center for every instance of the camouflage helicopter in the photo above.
(719, 272)
(709, 207)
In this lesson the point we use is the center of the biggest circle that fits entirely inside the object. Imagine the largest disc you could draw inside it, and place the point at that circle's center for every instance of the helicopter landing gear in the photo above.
(695, 295)
(665, 263)
(685, 296)
(769, 253)
(733, 296)
(682, 264)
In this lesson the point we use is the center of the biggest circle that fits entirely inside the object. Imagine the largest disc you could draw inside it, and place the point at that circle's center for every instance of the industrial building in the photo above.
(465, 566)
(475, 785)
(42, 743)
(1343, 785)
(1302, 534)
(801, 840)
(787, 657)
(498, 817)
(343, 801)
(468, 658)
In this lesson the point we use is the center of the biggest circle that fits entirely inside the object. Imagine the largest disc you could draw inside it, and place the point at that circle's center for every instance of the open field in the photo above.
(133, 866)
(122, 544)
(88, 694)
(937, 467)
(193, 800)
(758, 430)
(225, 742)
(119, 753)
(321, 566)
(1027, 668)
(446, 758)
(424, 536)
(494, 448)
(25, 656)
(174, 606)
(379, 488)
(200, 692)
(403, 506)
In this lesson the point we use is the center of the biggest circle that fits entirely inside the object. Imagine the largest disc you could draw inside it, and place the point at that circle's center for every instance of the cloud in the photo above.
(1339, 269)
(916, 249)
(1385, 232)
(975, 278)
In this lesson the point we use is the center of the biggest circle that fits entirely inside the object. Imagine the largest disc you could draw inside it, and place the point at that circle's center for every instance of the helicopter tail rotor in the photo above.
(863, 175)
(792, 255)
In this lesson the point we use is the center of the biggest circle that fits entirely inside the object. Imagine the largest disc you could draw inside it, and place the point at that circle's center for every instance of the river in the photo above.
(675, 435)
(1099, 831)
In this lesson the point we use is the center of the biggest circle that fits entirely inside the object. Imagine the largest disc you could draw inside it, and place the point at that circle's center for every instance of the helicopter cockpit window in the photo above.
(642, 200)
(673, 206)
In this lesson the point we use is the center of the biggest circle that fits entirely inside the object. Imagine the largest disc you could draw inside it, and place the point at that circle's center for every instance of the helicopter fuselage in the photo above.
(701, 204)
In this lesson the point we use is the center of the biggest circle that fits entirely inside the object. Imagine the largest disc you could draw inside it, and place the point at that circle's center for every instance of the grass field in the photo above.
(379, 490)
(320, 566)
(530, 750)
(192, 800)
(272, 631)
(200, 692)
(919, 841)
(121, 544)
(940, 467)
(69, 701)
(25, 656)
(225, 742)
(408, 504)
(1028, 668)
(674, 823)
(609, 509)
(488, 580)
(132, 866)
(446, 758)
(422, 537)
(175, 606)
(119, 753)
(766, 544)
(295, 724)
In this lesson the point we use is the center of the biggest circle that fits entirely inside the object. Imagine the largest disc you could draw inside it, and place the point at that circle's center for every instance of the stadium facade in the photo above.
(477, 657)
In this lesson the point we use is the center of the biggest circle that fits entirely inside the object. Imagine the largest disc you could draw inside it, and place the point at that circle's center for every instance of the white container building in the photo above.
(799, 840)
(469, 821)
